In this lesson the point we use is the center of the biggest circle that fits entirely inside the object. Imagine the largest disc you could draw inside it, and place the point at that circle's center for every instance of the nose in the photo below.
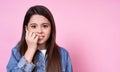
(39, 30)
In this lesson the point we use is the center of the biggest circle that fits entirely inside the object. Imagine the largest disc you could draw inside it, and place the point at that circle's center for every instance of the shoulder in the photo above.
(15, 51)
(64, 51)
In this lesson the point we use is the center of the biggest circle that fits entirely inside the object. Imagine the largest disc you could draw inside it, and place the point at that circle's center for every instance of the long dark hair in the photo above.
(54, 57)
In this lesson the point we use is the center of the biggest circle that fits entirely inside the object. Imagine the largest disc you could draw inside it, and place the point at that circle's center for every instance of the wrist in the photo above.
(29, 54)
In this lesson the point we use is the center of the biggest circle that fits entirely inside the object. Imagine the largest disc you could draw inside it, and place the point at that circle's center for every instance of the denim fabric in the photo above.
(19, 64)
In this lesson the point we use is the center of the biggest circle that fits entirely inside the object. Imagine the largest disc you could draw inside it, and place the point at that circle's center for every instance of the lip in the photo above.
(40, 37)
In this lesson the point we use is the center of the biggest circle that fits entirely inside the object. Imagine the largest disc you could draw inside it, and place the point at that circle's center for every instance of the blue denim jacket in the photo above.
(19, 64)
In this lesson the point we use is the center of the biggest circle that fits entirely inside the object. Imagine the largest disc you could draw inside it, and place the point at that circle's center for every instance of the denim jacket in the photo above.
(19, 64)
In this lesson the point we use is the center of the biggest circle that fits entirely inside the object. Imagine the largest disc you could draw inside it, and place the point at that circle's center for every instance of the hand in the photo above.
(31, 39)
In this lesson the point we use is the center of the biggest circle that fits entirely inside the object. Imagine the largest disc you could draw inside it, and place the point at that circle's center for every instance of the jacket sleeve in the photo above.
(18, 64)
(69, 64)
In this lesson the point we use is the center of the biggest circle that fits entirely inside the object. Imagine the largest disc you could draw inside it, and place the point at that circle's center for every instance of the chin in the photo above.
(40, 42)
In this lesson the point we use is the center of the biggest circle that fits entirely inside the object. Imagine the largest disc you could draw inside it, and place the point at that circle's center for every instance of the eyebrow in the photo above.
(41, 24)
(33, 24)
(46, 23)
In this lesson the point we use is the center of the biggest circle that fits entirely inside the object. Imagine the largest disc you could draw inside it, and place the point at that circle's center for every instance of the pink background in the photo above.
(88, 29)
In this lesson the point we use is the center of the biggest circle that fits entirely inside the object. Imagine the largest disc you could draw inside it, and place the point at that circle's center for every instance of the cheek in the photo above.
(48, 32)
(32, 30)
(29, 28)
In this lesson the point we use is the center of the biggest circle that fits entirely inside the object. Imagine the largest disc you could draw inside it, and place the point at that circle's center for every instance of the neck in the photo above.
(41, 46)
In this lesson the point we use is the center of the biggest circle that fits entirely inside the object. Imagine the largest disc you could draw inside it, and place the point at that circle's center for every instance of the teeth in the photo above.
(41, 37)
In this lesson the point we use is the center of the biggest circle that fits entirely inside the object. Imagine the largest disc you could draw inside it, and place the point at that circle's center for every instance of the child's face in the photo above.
(40, 25)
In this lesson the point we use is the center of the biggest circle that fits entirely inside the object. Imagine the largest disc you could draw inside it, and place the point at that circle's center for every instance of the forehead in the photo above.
(38, 19)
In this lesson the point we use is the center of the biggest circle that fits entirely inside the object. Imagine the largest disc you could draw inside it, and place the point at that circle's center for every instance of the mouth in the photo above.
(40, 37)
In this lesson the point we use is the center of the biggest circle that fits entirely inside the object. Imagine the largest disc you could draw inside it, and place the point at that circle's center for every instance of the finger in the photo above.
(36, 38)
(33, 35)
(30, 34)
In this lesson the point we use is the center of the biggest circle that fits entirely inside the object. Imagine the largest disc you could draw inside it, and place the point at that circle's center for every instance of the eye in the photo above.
(45, 26)
(33, 26)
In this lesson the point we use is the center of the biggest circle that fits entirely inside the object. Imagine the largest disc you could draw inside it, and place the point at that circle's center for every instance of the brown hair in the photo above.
(54, 57)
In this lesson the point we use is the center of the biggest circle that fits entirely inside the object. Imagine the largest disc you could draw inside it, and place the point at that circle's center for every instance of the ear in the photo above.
(26, 28)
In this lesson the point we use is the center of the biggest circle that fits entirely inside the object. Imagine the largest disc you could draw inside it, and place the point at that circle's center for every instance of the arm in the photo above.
(16, 64)
(25, 63)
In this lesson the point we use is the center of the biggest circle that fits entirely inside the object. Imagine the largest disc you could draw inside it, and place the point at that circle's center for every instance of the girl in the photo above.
(37, 50)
